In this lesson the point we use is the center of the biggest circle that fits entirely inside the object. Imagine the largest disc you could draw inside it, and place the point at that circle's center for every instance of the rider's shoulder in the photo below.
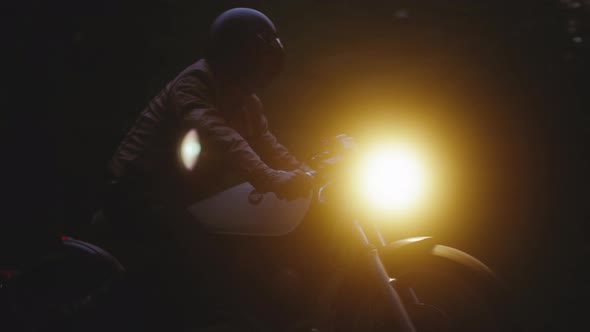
(254, 104)
(195, 78)
(197, 73)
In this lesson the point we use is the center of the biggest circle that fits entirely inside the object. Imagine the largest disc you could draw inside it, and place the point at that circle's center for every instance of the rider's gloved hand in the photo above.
(289, 185)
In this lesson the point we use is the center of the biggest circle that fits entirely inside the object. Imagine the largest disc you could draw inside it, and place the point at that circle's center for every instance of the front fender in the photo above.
(418, 249)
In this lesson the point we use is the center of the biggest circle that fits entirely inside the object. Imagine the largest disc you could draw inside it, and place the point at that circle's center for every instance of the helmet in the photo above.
(244, 48)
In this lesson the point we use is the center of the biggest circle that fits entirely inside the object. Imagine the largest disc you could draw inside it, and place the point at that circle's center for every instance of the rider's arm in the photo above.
(273, 152)
(191, 99)
(269, 148)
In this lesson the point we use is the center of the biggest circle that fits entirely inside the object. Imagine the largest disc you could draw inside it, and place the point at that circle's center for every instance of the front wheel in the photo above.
(442, 292)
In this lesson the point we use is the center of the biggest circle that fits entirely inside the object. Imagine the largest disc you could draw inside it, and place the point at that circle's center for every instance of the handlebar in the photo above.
(325, 163)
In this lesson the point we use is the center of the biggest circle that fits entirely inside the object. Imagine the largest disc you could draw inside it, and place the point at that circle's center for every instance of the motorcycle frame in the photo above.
(369, 238)
(371, 241)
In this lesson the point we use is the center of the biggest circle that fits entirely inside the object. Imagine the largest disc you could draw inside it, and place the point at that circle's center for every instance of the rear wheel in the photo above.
(65, 288)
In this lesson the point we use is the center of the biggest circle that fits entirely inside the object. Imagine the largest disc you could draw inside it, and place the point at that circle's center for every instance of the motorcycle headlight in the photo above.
(393, 179)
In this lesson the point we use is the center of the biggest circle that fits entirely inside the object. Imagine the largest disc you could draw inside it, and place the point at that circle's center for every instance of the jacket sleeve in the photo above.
(191, 100)
(268, 147)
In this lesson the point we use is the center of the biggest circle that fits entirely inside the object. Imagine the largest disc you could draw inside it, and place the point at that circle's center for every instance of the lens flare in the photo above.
(394, 179)
(190, 149)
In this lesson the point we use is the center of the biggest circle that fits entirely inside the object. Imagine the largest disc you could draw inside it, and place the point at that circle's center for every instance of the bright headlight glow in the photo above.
(190, 149)
(394, 179)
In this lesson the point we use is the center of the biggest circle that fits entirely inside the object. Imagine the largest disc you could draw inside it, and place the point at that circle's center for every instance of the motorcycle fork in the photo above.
(379, 277)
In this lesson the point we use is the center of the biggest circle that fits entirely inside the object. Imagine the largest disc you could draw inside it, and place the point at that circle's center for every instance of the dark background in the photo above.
(501, 86)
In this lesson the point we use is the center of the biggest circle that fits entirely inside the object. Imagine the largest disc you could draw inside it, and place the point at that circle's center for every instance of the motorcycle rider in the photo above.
(216, 97)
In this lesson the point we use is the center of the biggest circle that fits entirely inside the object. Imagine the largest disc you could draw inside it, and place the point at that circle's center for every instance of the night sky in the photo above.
(502, 86)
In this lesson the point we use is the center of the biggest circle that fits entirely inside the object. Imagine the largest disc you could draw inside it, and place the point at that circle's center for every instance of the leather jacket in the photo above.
(233, 132)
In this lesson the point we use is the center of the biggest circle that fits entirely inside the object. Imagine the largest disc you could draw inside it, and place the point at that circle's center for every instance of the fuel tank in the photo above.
(241, 210)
